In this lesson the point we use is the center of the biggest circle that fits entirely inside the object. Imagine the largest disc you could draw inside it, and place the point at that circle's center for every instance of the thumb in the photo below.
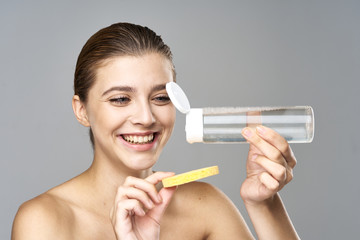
(166, 194)
(254, 150)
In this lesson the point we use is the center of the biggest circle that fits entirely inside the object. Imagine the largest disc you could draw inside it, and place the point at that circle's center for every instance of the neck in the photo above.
(103, 179)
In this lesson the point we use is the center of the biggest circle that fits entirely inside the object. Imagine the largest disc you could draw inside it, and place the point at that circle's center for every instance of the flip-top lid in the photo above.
(178, 97)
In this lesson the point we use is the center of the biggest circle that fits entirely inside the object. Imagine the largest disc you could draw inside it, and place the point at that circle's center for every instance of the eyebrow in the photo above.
(159, 87)
(131, 89)
(119, 88)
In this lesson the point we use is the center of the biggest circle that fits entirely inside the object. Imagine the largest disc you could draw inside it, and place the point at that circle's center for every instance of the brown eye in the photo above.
(162, 99)
(120, 100)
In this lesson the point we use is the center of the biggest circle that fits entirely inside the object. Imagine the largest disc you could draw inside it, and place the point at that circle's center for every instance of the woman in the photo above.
(120, 95)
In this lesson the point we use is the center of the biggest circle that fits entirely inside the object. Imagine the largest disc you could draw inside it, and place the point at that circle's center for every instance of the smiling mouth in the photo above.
(136, 139)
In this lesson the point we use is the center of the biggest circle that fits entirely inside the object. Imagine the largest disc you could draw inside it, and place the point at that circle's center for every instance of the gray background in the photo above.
(227, 53)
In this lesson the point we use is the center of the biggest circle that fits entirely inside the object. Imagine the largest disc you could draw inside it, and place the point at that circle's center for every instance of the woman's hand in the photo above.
(269, 165)
(139, 207)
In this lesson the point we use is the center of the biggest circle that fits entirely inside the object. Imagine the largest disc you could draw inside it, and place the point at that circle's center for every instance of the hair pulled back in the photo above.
(119, 39)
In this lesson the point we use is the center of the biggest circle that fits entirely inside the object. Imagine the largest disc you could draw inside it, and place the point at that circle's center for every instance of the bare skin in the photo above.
(119, 196)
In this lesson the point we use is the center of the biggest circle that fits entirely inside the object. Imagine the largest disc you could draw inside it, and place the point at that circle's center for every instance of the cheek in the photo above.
(167, 116)
(105, 118)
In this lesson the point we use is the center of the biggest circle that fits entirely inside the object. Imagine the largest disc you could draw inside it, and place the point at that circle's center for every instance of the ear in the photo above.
(80, 111)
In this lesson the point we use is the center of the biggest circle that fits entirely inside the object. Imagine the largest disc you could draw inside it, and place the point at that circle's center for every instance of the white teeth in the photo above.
(139, 139)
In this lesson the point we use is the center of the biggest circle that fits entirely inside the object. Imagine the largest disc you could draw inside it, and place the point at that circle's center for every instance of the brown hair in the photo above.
(119, 39)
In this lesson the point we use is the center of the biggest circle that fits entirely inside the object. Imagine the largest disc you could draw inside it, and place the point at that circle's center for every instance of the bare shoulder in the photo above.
(204, 193)
(215, 210)
(42, 217)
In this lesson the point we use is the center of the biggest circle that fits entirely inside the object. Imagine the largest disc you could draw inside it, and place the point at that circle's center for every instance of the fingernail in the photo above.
(247, 132)
(260, 130)
(159, 198)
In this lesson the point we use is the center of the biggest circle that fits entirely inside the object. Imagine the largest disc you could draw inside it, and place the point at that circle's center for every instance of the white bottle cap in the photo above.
(194, 117)
(194, 125)
(178, 97)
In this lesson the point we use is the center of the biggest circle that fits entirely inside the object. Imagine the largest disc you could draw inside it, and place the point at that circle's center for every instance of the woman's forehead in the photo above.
(134, 72)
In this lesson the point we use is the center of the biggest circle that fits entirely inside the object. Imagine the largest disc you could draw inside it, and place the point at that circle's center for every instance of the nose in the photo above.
(143, 114)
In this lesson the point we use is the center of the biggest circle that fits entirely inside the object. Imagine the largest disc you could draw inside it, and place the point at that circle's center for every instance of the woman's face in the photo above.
(129, 111)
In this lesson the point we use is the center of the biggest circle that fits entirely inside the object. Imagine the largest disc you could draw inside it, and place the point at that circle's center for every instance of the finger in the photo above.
(289, 175)
(278, 142)
(121, 217)
(142, 185)
(127, 208)
(269, 182)
(266, 148)
(157, 212)
(278, 171)
(134, 193)
(158, 176)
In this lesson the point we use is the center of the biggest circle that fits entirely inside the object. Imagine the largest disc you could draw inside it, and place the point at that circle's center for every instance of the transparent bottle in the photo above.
(224, 124)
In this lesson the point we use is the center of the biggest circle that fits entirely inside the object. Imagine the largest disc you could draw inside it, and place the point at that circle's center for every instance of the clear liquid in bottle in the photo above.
(224, 125)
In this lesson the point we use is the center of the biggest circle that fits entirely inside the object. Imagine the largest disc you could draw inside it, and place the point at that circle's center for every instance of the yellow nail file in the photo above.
(190, 176)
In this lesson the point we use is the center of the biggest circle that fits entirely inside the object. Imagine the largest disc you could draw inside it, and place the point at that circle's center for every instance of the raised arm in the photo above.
(269, 168)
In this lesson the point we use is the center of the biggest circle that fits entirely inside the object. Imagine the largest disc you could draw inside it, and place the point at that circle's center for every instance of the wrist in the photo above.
(270, 219)
(266, 203)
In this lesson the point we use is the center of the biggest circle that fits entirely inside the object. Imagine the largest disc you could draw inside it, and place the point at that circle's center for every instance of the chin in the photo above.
(139, 164)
